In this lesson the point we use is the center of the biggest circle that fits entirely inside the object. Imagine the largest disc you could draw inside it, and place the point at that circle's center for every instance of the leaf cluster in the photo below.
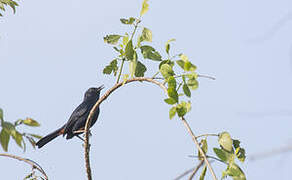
(12, 4)
(9, 129)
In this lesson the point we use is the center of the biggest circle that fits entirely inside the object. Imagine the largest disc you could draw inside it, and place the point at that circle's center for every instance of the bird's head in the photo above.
(93, 93)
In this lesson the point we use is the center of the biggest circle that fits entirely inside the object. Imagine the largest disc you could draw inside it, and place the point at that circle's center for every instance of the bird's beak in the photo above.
(100, 87)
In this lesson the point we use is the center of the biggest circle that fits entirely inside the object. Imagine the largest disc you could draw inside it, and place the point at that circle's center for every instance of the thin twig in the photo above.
(121, 69)
(203, 135)
(28, 161)
(194, 169)
(209, 157)
(186, 124)
(199, 75)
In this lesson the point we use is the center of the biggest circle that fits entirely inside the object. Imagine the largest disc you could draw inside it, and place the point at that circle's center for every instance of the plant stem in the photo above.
(120, 72)
(206, 135)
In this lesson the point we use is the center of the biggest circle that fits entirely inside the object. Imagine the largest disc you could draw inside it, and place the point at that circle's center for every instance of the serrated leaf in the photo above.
(140, 69)
(145, 7)
(4, 139)
(30, 122)
(112, 39)
(223, 155)
(171, 82)
(149, 52)
(166, 71)
(129, 51)
(172, 112)
(203, 174)
(225, 141)
(172, 93)
(170, 101)
(146, 35)
(167, 46)
(131, 20)
(186, 90)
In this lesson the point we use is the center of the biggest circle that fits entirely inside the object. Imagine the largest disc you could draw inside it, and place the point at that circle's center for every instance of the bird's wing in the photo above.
(79, 112)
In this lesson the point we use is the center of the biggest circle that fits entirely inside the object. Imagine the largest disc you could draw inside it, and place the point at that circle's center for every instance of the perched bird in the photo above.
(77, 120)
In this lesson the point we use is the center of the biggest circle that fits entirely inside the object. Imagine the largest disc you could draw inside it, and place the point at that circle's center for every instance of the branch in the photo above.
(198, 146)
(194, 170)
(104, 97)
(28, 161)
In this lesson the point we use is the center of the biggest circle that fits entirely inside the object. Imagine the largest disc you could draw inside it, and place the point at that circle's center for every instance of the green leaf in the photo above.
(181, 63)
(146, 35)
(166, 71)
(172, 93)
(17, 137)
(171, 82)
(184, 57)
(172, 112)
(203, 174)
(31, 122)
(4, 139)
(131, 20)
(240, 154)
(235, 172)
(204, 147)
(193, 84)
(112, 39)
(140, 69)
(133, 65)
(236, 143)
(167, 46)
(188, 66)
(223, 155)
(170, 101)
(36, 136)
(188, 106)
(1, 115)
(111, 68)
(129, 50)
(125, 39)
(149, 52)
(169, 62)
(225, 141)
(181, 109)
(145, 7)
(8, 126)
(186, 90)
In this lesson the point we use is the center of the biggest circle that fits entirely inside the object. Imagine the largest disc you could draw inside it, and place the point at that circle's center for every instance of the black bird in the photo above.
(77, 120)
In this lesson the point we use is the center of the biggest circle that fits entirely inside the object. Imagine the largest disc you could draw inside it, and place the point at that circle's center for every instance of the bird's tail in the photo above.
(50, 137)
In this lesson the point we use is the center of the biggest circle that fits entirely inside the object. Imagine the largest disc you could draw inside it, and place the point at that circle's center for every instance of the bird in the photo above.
(76, 123)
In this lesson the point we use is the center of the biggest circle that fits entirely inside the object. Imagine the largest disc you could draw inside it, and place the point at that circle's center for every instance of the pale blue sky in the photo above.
(52, 51)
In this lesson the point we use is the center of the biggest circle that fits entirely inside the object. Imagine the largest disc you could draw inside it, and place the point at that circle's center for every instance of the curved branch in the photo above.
(28, 161)
(105, 96)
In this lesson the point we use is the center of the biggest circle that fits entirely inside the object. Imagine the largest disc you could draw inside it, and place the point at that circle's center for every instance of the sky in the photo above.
(51, 52)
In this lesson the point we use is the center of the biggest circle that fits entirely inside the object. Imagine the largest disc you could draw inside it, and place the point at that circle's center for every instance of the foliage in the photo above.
(12, 4)
(180, 76)
(9, 129)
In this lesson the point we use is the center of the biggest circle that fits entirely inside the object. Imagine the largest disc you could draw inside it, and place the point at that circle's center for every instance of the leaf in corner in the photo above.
(1, 114)
(4, 139)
